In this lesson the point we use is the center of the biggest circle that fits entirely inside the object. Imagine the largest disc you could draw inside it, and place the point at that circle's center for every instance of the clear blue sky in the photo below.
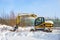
(39, 7)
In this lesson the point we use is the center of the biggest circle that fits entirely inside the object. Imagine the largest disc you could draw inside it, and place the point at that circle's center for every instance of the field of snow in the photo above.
(5, 34)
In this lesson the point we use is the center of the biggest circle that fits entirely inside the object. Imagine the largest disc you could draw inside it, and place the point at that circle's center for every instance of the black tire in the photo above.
(32, 30)
(48, 30)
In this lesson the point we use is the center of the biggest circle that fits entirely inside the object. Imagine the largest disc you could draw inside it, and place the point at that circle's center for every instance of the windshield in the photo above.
(39, 20)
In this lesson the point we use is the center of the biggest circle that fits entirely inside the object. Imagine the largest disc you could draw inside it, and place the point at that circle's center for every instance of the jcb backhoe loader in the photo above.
(39, 23)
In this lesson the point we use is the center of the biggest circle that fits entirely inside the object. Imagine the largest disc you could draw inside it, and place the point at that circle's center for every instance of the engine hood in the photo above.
(49, 22)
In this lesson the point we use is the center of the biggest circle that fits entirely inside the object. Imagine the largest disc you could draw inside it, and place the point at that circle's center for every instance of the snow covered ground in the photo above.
(5, 34)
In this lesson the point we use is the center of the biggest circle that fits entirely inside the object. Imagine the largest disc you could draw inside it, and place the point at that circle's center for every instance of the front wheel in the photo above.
(32, 30)
(48, 30)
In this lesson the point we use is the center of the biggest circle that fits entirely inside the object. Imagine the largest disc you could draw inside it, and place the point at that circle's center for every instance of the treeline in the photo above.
(56, 21)
(11, 20)
(8, 19)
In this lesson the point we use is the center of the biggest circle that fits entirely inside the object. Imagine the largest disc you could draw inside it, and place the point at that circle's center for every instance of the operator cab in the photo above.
(39, 21)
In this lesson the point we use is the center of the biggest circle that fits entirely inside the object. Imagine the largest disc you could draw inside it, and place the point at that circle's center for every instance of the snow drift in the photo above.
(5, 34)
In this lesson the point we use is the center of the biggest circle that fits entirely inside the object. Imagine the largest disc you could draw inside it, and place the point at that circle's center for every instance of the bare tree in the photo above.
(12, 20)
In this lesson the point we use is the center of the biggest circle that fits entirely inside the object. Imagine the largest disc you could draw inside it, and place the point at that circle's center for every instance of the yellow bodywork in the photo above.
(43, 25)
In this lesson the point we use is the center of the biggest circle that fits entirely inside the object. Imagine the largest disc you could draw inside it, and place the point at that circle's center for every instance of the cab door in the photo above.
(39, 23)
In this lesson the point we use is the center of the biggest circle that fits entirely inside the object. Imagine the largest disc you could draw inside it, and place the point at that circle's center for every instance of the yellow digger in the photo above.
(39, 23)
